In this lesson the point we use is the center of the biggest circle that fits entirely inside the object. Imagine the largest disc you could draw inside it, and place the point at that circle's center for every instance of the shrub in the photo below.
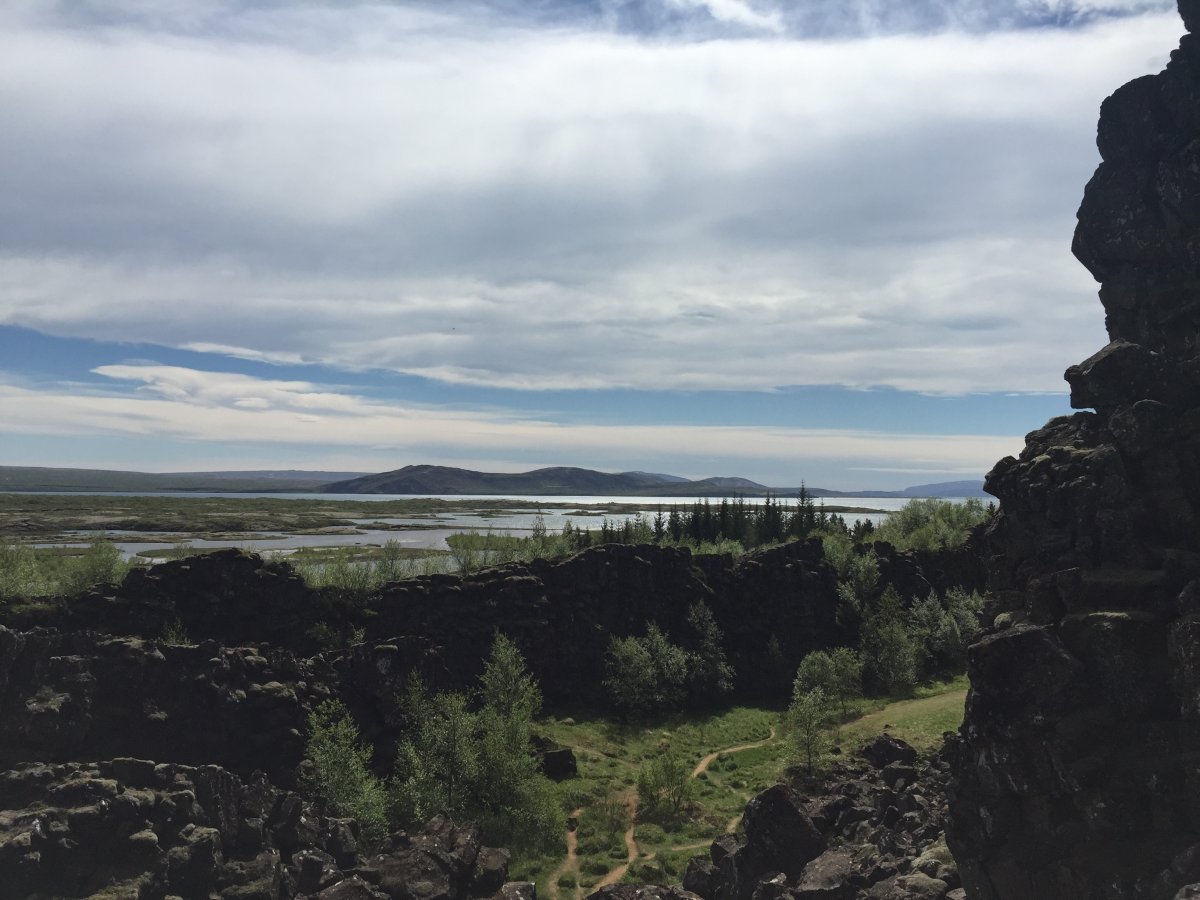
(100, 564)
(20, 575)
(931, 524)
(644, 675)
(664, 787)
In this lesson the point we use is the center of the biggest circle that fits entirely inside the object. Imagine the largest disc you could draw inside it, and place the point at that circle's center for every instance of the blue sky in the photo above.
(825, 241)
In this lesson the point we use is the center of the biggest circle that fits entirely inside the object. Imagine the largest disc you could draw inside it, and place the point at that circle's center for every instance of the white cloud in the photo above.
(547, 209)
(735, 12)
(187, 404)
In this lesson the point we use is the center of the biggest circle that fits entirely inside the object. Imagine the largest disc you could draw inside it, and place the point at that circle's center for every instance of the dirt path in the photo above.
(631, 847)
(702, 766)
(570, 863)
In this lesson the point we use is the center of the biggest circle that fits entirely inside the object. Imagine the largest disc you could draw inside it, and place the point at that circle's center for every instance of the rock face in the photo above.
(872, 828)
(1077, 776)
(89, 696)
(130, 828)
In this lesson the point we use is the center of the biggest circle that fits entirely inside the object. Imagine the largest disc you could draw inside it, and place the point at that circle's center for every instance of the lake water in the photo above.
(512, 521)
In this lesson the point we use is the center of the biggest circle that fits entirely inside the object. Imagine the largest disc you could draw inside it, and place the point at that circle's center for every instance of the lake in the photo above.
(429, 531)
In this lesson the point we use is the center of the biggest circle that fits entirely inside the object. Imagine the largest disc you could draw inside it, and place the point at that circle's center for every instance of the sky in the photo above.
(790, 240)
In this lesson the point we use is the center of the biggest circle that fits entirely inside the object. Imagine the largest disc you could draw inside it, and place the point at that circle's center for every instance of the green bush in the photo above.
(100, 564)
(931, 524)
(664, 787)
(20, 575)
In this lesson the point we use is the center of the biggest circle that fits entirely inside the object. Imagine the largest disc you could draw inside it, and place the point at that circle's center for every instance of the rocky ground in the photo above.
(870, 828)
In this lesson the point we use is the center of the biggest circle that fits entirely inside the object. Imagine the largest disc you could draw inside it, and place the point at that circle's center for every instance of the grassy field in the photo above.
(730, 756)
(919, 721)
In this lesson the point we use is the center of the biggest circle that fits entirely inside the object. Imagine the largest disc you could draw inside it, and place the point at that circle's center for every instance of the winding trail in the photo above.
(702, 766)
(570, 864)
(631, 847)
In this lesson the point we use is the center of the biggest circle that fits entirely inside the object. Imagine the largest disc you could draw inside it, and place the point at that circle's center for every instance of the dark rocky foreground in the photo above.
(134, 767)
(131, 828)
(1078, 772)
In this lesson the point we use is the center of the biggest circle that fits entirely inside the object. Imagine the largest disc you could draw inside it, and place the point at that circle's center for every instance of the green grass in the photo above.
(919, 720)
(609, 755)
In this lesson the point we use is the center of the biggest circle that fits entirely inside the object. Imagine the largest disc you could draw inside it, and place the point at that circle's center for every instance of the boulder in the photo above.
(778, 827)
(886, 749)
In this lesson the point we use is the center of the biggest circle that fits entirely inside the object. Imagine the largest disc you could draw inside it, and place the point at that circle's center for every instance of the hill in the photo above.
(558, 480)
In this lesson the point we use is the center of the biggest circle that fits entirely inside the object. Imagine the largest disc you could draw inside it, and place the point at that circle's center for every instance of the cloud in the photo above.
(734, 12)
(558, 207)
(174, 403)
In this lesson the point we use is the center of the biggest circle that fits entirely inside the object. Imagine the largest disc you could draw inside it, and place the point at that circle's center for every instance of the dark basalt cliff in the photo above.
(1077, 776)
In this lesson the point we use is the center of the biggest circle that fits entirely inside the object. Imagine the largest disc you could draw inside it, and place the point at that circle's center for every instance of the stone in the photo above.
(778, 826)
(491, 871)
(886, 749)
(518, 890)
(828, 877)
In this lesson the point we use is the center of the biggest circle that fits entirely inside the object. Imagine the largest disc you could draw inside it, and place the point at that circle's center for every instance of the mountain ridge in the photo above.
(567, 480)
(432, 479)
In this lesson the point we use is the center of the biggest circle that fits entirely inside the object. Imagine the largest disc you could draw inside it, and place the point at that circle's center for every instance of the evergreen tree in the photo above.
(889, 654)
(710, 676)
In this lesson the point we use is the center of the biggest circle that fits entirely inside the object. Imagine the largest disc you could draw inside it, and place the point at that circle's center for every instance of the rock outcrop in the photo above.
(1077, 776)
(131, 828)
(871, 829)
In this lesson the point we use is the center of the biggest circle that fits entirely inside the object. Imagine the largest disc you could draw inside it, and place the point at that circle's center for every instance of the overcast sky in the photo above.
(785, 239)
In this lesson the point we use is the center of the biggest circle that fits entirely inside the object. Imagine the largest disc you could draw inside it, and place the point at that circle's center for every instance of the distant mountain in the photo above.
(940, 489)
(301, 476)
(560, 480)
(35, 478)
(427, 480)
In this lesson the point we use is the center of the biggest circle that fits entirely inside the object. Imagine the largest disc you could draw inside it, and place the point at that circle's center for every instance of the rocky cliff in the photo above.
(1077, 776)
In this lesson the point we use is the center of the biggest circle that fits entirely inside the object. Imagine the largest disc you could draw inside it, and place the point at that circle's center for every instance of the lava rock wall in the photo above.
(1077, 775)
